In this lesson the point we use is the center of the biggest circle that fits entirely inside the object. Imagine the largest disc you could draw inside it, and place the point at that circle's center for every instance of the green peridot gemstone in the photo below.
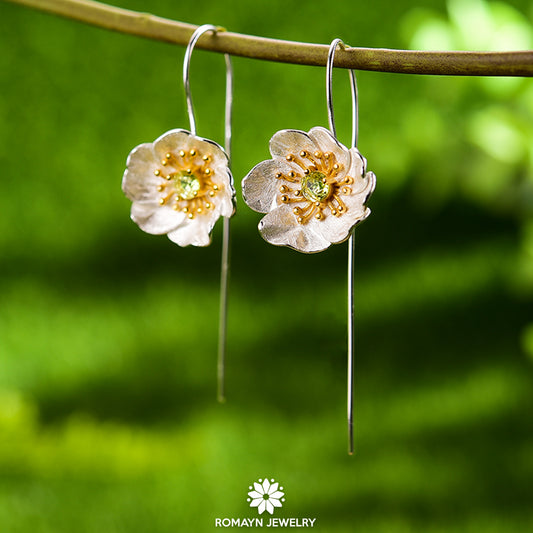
(314, 187)
(187, 185)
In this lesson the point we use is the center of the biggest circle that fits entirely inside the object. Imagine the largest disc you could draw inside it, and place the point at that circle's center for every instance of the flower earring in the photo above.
(181, 184)
(313, 192)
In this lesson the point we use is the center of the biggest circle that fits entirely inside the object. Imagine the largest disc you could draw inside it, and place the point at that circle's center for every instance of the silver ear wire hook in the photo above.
(229, 84)
(329, 92)
(351, 242)
(224, 269)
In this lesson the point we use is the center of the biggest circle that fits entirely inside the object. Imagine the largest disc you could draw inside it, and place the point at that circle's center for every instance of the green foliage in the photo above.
(108, 418)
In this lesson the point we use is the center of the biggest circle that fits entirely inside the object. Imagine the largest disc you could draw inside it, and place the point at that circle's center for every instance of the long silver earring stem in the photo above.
(225, 261)
(351, 240)
(351, 275)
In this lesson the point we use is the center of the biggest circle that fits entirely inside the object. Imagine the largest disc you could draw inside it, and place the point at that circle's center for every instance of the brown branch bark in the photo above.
(519, 63)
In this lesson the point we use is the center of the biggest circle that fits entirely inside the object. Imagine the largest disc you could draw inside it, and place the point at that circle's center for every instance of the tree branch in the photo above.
(376, 59)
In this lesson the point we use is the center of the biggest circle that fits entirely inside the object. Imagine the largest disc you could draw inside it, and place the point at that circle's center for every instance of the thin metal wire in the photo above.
(355, 109)
(223, 312)
(351, 242)
(186, 65)
(329, 92)
(351, 343)
(225, 261)
(228, 116)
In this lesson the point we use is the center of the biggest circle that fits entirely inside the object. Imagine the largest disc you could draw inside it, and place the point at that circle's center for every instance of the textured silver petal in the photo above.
(226, 205)
(224, 179)
(154, 218)
(287, 142)
(357, 165)
(325, 142)
(196, 232)
(171, 140)
(260, 186)
(280, 227)
(139, 181)
(369, 189)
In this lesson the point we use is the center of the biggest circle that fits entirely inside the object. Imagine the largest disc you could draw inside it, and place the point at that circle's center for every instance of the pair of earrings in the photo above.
(313, 192)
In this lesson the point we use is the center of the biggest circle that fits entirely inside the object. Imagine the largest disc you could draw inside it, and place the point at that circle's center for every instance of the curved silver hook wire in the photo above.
(224, 269)
(329, 92)
(229, 84)
(351, 242)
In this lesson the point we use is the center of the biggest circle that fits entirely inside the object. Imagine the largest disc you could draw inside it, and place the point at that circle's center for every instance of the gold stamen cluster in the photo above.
(186, 181)
(319, 199)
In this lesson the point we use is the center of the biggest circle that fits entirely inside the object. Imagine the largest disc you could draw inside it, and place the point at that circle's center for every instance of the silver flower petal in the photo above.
(154, 218)
(324, 140)
(172, 139)
(139, 180)
(187, 234)
(225, 207)
(258, 193)
(198, 234)
(279, 227)
(284, 142)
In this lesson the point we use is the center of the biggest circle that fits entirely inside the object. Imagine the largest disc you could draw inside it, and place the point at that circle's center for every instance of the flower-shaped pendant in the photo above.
(313, 191)
(179, 185)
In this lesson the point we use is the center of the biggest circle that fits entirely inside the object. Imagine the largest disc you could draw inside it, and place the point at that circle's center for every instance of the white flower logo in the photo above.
(266, 496)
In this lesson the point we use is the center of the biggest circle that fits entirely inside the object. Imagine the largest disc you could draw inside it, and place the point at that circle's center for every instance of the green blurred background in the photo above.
(108, 416)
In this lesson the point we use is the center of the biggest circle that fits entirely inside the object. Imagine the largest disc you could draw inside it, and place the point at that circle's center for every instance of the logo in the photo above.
(266, 496)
